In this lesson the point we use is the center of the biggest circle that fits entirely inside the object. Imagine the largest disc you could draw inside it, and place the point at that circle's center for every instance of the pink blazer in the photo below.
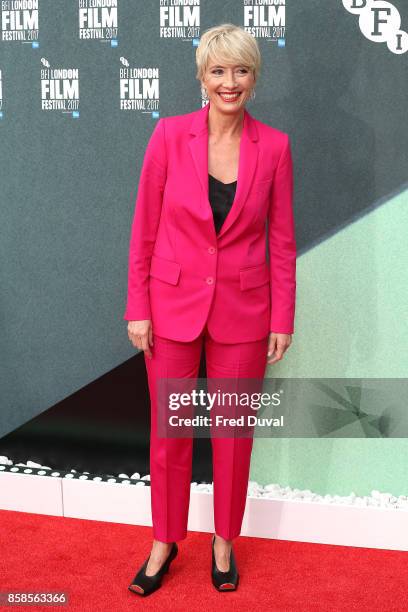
(182, 274)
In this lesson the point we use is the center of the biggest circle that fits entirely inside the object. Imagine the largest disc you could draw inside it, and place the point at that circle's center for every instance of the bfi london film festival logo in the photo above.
(379, 21)
(98, 19)
(266, 19)
(19, 21)
(59, 89)
(180, 19)
(139, 89)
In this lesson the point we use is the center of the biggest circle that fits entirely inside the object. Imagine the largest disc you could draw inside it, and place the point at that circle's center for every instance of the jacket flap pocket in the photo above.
(255, 276)
(165, 270)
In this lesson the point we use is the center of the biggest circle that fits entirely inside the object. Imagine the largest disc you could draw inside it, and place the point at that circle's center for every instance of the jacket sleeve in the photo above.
(282, 245)
(145, 225)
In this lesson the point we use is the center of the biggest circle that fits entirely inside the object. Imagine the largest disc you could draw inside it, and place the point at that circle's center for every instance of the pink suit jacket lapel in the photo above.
(248, 160)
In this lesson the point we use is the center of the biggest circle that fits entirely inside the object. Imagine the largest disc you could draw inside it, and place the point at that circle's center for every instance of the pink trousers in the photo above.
(171, 458)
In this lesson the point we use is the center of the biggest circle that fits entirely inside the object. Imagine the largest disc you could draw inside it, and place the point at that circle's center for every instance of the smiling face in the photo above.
(228, 85)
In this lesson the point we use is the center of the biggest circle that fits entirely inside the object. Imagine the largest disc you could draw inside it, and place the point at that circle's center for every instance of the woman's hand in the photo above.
(278, 344)
(141, 335)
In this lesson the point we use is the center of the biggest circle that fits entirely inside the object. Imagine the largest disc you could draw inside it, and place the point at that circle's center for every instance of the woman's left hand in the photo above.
(278, 344)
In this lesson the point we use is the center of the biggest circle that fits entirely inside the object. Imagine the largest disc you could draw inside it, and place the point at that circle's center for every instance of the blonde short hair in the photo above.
(230, 43)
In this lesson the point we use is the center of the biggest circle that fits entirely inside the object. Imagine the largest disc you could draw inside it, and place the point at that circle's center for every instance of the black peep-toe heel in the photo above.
(144, 585)
(224, 581)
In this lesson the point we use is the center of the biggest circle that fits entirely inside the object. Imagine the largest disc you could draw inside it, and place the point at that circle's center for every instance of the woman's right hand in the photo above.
(141, 335)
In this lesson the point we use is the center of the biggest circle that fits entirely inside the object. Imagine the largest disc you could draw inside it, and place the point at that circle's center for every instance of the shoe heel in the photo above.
(228, 581)
(149, 584)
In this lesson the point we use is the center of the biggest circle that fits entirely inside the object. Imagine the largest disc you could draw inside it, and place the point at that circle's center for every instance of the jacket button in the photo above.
(209, 280)
(211, 250)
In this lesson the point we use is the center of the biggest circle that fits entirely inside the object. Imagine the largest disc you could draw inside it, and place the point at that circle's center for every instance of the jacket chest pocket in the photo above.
(255, 276)
(165, 270)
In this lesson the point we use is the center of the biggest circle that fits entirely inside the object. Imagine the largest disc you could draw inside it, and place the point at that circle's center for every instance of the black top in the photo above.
(221, 196)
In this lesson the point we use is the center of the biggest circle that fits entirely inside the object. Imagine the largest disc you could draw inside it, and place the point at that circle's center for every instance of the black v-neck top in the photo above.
(221, 196)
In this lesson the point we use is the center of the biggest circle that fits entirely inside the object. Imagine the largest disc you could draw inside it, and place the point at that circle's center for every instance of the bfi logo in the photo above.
(379, 21)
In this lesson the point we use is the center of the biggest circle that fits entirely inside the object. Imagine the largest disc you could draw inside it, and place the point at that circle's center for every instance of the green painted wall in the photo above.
(351, 321)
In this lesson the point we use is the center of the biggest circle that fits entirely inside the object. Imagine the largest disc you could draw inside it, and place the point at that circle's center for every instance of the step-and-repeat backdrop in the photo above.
(82, 84)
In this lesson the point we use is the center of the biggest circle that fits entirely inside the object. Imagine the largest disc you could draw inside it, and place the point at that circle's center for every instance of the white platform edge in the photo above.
(293, 520)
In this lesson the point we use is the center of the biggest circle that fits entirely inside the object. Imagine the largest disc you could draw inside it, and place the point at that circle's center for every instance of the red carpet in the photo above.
(94, 562)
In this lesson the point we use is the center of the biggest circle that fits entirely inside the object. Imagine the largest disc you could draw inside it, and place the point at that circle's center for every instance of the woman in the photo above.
(210, 183)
